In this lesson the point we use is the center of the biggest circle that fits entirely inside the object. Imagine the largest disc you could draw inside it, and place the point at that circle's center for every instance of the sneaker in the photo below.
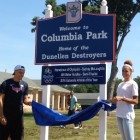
(62, 126)
(81, 127)
(76, 127)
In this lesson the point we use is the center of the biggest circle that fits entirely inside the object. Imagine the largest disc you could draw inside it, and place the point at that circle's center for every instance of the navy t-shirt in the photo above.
(13, 100)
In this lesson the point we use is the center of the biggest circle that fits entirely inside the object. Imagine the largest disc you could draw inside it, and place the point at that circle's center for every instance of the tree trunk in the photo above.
(112, 80)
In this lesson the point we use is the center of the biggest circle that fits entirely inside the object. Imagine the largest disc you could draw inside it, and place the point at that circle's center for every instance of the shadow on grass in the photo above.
(29, 114)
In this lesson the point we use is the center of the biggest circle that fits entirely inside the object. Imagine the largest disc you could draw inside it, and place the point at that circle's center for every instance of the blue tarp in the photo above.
(45, 116)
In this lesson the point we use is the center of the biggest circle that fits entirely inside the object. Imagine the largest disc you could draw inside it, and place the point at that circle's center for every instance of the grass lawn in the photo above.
(90, 129)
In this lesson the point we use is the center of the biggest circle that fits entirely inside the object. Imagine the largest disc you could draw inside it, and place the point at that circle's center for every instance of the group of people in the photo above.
(14, 92)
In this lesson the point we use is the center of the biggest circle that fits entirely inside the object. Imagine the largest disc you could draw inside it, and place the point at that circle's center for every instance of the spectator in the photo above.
(13, 93)
(68, 104)
(72, 108)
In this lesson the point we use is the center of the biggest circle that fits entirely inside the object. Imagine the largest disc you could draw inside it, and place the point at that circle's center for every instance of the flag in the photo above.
(45, 116)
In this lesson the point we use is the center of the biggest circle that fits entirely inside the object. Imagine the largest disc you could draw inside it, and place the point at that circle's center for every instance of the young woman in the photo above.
(127, 97)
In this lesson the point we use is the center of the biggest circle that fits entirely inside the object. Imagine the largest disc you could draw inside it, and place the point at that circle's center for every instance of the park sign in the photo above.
(73, 74)
(90, 40)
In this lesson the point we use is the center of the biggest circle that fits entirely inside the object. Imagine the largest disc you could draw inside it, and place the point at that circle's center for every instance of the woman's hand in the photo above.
(117, 98)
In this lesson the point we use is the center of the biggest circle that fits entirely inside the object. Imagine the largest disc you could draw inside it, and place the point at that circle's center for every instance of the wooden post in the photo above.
(104, 7)
(46, 89)
(103, 90)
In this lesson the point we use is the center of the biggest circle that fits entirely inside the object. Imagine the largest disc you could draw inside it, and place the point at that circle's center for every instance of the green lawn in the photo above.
(89, 132)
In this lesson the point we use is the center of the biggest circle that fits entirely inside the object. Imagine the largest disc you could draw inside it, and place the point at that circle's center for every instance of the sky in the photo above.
(17, 43)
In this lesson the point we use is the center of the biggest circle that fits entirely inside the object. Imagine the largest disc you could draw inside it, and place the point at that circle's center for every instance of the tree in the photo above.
(137, 79)
(80, 89)
(125, 12)
(118, 81)
(69, 87)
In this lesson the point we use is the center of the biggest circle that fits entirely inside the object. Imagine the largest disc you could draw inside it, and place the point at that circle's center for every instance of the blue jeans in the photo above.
(126, 128)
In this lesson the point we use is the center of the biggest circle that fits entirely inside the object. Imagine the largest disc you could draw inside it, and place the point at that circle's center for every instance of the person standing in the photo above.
(68, 106)
(13, 93)
(127, 97)
(72, 108)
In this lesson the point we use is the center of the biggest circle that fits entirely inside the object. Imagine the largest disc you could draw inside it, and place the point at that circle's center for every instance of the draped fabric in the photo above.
(45, 116)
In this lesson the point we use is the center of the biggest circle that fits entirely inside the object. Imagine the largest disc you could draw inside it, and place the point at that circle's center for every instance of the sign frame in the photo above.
(74, 74)
(68, 51)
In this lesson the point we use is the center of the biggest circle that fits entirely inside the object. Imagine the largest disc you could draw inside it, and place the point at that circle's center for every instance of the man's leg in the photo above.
(4, 132)
(17, 129)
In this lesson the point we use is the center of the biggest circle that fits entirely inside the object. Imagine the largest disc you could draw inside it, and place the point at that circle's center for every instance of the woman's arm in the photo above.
(122, 98)
(131, 101)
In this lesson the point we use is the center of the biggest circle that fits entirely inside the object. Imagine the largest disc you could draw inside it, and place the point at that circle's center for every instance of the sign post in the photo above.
(103, 91)
(46, 89)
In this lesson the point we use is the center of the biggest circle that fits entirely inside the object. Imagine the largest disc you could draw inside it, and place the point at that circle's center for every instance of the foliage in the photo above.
(137, 79)
(125, 12)
(92, 6)
(122, 8)
(85, 88)
(57, 10)
(61, 9)
(69, 87)
(34, 24)
(93, 9)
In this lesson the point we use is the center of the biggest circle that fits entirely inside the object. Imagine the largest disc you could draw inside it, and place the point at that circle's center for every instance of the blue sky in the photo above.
(17, 43)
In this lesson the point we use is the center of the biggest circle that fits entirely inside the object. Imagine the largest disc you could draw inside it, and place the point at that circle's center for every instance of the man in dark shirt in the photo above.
(13, 93)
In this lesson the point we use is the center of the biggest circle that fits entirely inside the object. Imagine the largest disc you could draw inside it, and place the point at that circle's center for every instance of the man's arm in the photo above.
(1, 105)
(2, 117)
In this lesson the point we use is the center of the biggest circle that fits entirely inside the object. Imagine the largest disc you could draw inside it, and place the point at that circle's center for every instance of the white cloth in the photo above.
(128, 90)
